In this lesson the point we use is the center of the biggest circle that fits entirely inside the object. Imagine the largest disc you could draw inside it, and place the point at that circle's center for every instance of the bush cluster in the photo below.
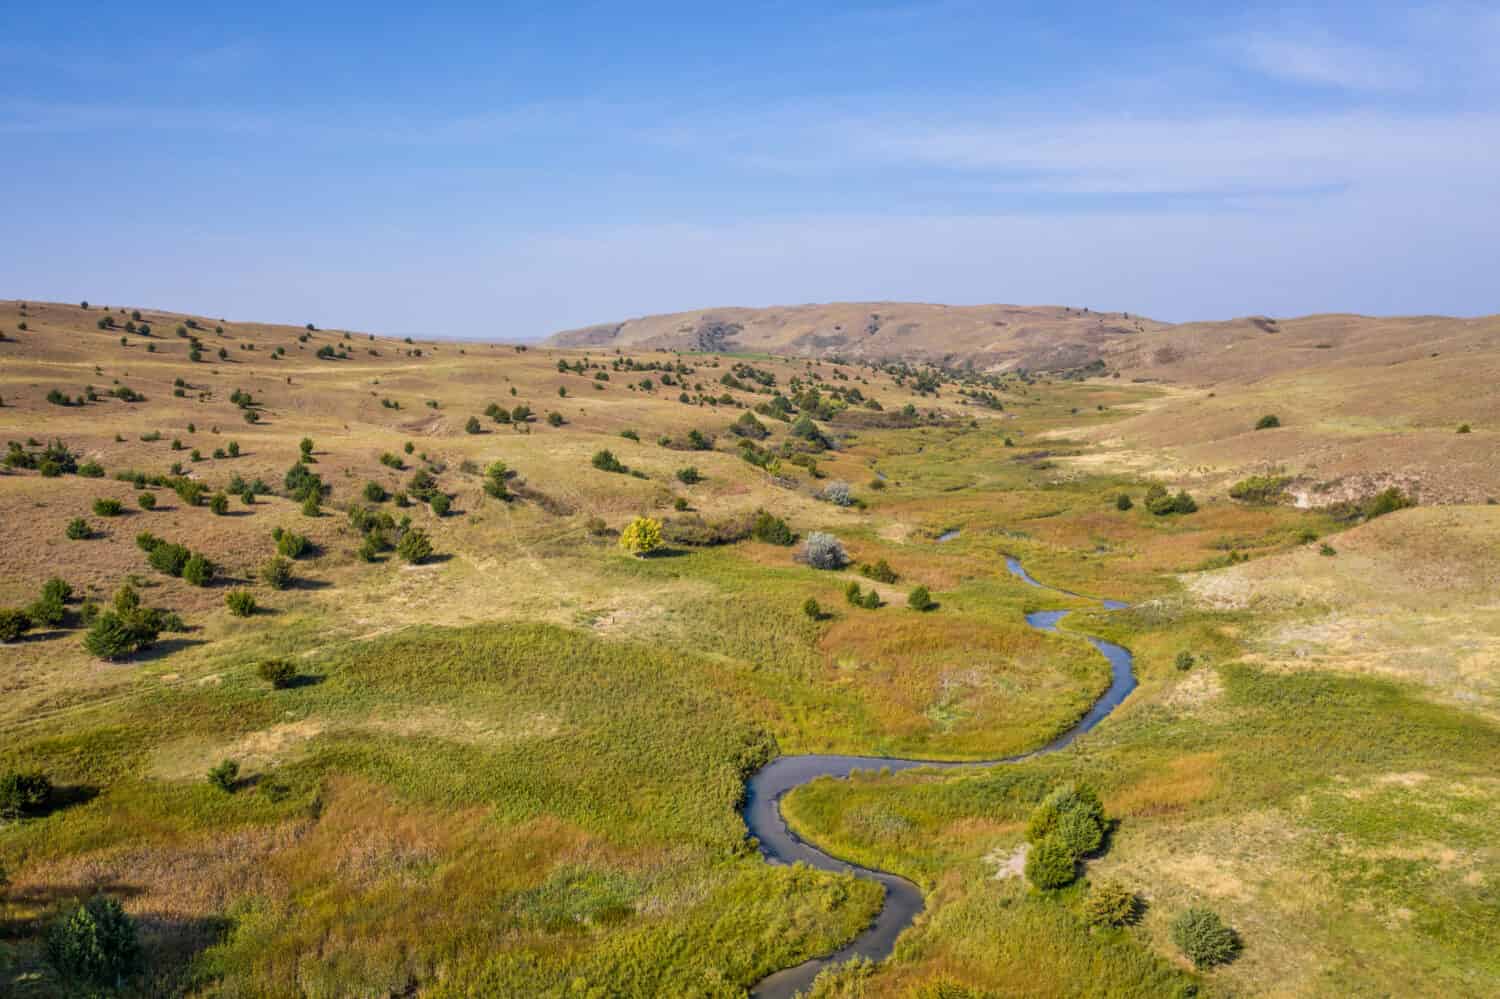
(1066, 826)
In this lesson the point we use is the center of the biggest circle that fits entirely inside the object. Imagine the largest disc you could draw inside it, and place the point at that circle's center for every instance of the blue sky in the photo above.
(513, 169)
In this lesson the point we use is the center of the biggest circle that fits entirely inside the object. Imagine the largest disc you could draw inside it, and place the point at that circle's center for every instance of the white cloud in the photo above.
(1321, 61)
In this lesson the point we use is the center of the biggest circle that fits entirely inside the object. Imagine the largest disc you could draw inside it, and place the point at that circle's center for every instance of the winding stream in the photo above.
(903, 900)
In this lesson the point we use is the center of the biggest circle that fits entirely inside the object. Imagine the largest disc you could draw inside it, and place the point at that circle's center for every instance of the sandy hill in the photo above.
(1041, 338)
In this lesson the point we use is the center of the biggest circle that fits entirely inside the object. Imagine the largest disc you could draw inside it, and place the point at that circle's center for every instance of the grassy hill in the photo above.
(513, 767)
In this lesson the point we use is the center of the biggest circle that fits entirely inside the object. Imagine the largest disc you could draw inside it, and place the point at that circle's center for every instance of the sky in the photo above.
(507, 170)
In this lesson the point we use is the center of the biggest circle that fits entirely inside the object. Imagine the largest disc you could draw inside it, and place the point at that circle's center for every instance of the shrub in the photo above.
(47, 611)
(811, 608)
(1267, 422)
(292, 545)
(1464, 428)
(57, 589)
(198, 570)
(91, 470)
(555, 419)
(749, 427)
(771, 529)
(414, 547)
(689, 476)
(1203, 938)
(1060, 801)
(279, 673)
(1184, 661)
(22, 794)
(641, 536)
(494, 480)
(114, 635)
(108, 506)
(219, 504)
(838, 494)
(13, 624)
(919, 599)
(95, 943)
(881, 572)
(472, 425)
(166, 557)
(605, 461)
(854, 595)
(1123, 502)
(1162, 503)
(224, 776)
(824, 551)
(311, 507)
(698, 441)
(1050, 864)
(1110, 903)
(440, 504)
(146, 501)
(374, 492)
(1326, 549)
(1260, 488)
(1386, 501)
(1080, 830)
(78, 529)
(241, 603)
(277, 573)
(871, 600)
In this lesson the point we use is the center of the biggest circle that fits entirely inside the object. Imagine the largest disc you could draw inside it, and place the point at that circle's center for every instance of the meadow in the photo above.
(513, 766)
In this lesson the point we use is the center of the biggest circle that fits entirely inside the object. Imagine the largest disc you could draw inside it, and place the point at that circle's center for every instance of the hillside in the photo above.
(1040, 338)
(515, 763)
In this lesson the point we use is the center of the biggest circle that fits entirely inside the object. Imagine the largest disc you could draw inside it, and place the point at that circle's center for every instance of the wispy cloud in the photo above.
(1317, 59)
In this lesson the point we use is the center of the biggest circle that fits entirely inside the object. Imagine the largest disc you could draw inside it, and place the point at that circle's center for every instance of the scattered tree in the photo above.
(78, 530)
(919, 599)
(1203, 938)
(641, 536)
(94, 943)
(415, 546)
(1110, 903)
(225, 776)
(824, 551)
(241, 603)
(277, 573)
(279, 673)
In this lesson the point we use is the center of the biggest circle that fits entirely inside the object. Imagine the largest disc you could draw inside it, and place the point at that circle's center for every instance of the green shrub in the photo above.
(1110, 903)
(1051, 864)
(689, 476)
(1060, 801)
(94, 943)
(198, 570)
(168, 558)
(415, 546)
(113, 635)
(279, 673)
(1080, 830)
(292, 545)
(78, 530)
(1463, 428)
(919, 599)
(13, 624)
(605, 461)
(1123, 502)
(1326, 549)
(374, 492)
(871, 600)
(472, 425)
(91, 470)
(1184, 661)
(771, 529)
(1203, 938)
(811, 608)
(241, 603)
(881, 572)
(494, 480)
(277, 573)
(854, 595)
(47, 611)
(440, 504)
(146, 501)
(1267, 422)
(23, 794)
(57, 589)
(219, 504)
(225, 776)
(1386, 501)
(1260, 488)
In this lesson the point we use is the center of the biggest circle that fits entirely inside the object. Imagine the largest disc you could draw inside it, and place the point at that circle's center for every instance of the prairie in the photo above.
(515, 766)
